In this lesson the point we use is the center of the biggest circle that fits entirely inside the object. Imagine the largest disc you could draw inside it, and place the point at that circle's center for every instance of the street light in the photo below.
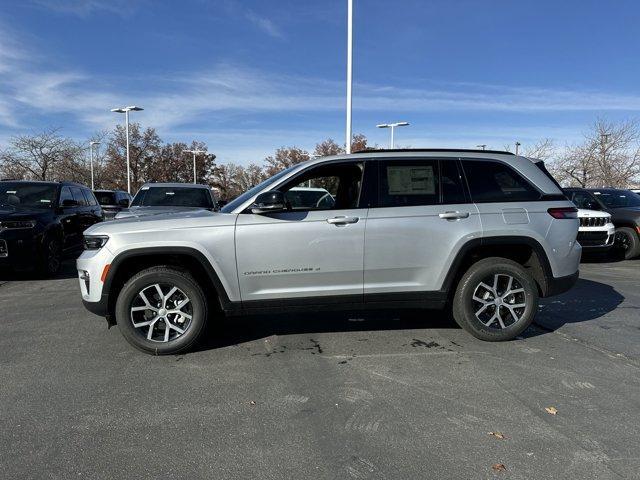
(349, 72)
(195, 152)
(483, 146)
(91, 144)
(392, 126)
(126, 111)
(517, 147)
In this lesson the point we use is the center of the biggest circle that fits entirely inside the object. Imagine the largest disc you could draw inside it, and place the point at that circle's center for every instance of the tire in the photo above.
(51, 257)
(182, 298)
(627, 242)
(479, 317)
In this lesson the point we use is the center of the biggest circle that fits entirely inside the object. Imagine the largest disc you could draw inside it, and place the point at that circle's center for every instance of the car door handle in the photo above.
(454, 215)
(342, 220)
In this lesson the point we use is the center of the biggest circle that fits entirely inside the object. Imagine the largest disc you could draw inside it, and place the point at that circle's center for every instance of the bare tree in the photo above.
(39, 156)
(608, 156)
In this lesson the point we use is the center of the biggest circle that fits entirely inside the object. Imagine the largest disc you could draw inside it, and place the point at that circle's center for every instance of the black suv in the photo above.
(41, 222)
(624, 207)
(112, 201)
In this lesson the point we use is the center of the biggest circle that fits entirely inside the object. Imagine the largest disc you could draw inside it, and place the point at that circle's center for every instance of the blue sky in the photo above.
(249, 76)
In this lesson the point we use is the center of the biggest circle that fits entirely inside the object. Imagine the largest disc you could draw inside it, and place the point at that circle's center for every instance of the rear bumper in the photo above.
(558, 285)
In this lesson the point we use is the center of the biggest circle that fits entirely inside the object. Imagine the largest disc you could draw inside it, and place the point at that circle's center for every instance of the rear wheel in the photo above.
(161, 310)
(627, 241)
(495, 300)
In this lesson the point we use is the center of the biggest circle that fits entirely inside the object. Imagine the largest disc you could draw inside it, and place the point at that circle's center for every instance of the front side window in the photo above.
(327, 187)
(91, 200)
(65, 194)
(172, 197)
(406, 183)
(78, 197)
(25, 195)
(585, 200)
(496, 182)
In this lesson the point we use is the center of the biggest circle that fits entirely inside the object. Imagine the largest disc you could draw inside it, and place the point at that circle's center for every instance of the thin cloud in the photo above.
(86, 8)
(263, 23)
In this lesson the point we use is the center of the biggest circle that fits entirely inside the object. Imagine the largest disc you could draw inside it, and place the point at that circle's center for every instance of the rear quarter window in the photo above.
(491, 182)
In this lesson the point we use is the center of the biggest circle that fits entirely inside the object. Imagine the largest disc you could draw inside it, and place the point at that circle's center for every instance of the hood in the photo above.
(584, 213)
(194, 218)
(143, 211)
(9, 212)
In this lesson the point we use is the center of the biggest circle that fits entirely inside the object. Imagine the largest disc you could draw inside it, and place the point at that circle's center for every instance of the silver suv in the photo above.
(484, 232)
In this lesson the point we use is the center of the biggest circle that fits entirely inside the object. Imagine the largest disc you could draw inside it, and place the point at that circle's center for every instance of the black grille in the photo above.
(593, 221)
(592, 239)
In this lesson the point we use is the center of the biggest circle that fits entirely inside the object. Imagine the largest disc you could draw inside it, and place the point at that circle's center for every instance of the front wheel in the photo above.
(627, 241)
(51, 259)
(495, 300)
(162, 310)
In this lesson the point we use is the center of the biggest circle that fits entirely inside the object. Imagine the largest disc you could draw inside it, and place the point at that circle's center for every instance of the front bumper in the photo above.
(21, 248)
(597, 238)
(91, 267)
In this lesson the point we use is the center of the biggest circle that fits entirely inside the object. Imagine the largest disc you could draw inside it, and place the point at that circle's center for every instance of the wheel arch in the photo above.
(524, 250)
(127, 263)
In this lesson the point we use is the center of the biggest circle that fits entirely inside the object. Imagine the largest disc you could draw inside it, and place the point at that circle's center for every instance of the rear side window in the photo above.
(496, 182)
(451, 183)
(406, 183)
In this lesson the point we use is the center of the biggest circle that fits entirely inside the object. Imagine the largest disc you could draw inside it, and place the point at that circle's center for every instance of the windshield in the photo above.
(619, 198)
(20, 195)
(106, 198)
(172, 197)
(232, 205)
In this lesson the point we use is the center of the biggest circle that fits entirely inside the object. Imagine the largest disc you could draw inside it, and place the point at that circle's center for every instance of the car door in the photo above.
(313, 249)
(421, 219)
(93, 207)
(69, 219)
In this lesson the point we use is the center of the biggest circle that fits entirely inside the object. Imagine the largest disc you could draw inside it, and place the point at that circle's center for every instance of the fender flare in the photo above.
(147, 251)
(547, 274)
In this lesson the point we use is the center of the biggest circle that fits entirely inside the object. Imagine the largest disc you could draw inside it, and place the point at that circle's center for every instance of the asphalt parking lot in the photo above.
(336, 396)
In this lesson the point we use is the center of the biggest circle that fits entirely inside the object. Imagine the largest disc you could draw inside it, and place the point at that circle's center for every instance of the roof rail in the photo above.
(400, 150)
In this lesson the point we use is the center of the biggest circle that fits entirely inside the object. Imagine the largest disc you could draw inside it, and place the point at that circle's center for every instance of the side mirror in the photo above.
(123, 202)
(268, 202)
(67, 203)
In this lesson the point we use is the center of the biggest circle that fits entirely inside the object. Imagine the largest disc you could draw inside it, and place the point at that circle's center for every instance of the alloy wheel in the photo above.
(499, 301)
(161, 312)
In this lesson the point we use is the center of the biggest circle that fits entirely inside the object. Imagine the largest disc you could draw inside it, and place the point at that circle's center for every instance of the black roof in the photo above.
(466, 150)
(64, 183)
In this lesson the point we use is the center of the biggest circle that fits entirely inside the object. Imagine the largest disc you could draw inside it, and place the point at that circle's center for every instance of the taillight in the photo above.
(563, 212)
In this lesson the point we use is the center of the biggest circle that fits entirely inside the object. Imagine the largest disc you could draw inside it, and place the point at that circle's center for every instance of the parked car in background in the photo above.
(596, 231)
(156, 198)
(112, 201)
(485, 232)
(42, 222)
(635, 190)
(624, 207)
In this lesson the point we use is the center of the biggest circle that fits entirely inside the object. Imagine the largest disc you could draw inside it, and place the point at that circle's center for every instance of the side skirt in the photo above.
(374, 301)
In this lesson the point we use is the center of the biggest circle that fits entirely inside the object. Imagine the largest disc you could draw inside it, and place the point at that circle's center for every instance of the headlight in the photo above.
(17, 224)
(94, 242)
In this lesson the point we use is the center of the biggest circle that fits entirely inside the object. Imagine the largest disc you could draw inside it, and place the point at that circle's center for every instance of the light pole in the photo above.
(483, 146)
(349, 72)
(392, 126)
(517, 147)
(195, 152)
(126, 111)
(91, 144)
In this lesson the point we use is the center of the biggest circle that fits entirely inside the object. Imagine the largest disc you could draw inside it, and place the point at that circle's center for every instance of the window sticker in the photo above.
(169, 193)
(408, 180)
(11, 192)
